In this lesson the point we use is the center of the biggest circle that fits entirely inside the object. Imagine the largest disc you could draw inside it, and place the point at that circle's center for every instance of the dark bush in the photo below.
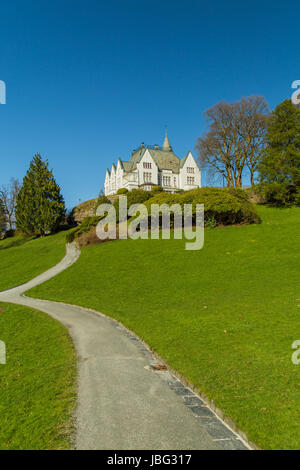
(71, 235)
(279, 194)
(122, 191)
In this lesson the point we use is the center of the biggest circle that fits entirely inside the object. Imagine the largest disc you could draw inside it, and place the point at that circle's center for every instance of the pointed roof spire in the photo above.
(166, 144)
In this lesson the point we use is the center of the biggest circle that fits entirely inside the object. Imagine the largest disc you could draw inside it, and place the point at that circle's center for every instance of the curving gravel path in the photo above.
(122, 402)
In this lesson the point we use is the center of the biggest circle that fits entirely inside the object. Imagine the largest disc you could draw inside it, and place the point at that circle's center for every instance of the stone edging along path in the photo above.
(127, 397)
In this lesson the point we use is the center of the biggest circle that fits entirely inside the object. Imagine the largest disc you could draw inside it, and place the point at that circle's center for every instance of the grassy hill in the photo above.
(21, 259)
(224, 317)
(37, 384)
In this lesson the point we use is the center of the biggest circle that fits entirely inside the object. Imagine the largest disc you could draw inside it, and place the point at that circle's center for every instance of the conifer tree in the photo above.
(280, 164)
(40, 206)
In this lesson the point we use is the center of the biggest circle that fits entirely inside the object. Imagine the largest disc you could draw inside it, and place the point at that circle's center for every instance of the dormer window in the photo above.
(147, 165)
(190, 170)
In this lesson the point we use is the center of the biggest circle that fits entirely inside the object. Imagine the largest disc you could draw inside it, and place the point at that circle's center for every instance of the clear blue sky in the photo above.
(88, 81)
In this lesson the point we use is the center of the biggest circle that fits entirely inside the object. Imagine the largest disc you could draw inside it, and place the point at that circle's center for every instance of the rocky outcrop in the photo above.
(86, 209)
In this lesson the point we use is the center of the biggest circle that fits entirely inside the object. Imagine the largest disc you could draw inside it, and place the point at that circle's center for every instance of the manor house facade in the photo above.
(149, 166)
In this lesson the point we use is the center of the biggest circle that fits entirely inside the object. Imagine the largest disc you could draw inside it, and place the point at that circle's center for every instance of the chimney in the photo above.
(133, 151)
(143, 145)
(156, 147)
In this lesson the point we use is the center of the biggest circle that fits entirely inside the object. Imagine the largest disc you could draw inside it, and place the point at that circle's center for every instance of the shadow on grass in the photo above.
(13, 243)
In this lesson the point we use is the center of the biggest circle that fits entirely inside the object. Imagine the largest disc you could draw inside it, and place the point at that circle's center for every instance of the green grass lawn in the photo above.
(224, 317)
(21, 259)
(37, 384)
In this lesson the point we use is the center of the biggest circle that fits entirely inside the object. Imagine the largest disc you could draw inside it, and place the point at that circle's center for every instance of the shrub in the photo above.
(240, 194)
(138, 196)
(86, 226)
(157, 189)
(210, 222)
(88, 223)
(102, 200)
(279, 194)
(222, 206)
(71, 235)
(122, 191)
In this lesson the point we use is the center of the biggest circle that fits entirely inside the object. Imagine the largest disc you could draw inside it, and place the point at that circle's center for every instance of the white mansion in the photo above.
(152, 165)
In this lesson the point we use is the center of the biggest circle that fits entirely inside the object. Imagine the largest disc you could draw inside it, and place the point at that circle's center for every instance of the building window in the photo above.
(175, 183)
(166, 180)
(147, 177)
(190, 170)
(190, 180)
(147, 165)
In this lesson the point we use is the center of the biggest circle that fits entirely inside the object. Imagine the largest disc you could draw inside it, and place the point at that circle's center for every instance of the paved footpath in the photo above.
(122, 402)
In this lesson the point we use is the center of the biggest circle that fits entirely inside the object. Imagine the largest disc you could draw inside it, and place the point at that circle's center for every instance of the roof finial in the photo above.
(166, 144)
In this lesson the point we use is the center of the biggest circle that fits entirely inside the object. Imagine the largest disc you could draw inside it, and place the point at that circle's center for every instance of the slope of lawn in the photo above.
(21, 259)
(37, 383)
(225, 317)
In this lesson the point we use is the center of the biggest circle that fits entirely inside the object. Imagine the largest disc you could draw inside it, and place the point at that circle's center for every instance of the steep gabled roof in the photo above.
(127, 166)
(165, 160)
(134, 159)
(183, 160)
(121, 163)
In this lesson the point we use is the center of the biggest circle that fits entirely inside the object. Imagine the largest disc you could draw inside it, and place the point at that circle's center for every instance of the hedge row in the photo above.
(222, 206)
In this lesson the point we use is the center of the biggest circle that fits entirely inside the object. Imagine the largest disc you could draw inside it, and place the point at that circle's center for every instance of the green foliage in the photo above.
(210, 222)
(85, 227)
(88, 223)
(40, 205)
(222, 206)
(279, 169)
(71, 235)
(239, 194)
(156, 189)
(122, 191)
(280, 194)
(138, 196)
(102, 200)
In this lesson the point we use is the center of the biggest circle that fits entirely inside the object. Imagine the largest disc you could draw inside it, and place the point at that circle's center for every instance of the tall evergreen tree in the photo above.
(279, 169)
(3, 219)
(40, 206)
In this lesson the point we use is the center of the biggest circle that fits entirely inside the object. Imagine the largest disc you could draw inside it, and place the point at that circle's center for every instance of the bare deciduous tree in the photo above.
(255, 114)
(234, 140)
(8, 195)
